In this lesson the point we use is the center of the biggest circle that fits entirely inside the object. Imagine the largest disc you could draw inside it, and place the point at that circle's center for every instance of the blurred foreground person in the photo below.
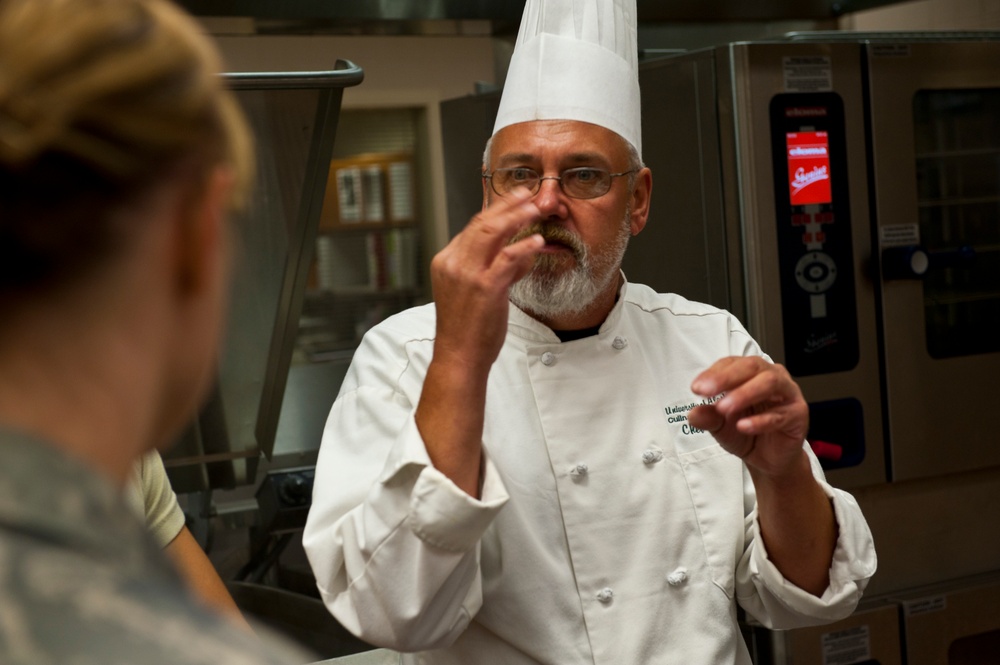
(120, 154)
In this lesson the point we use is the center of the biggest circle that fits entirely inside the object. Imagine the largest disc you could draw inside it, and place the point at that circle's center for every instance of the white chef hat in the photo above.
(575, 60)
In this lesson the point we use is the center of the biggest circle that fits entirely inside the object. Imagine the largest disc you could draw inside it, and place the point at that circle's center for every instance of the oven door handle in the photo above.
(914, 261)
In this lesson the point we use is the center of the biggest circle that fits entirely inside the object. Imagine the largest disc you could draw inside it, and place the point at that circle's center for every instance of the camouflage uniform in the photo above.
(83, 583)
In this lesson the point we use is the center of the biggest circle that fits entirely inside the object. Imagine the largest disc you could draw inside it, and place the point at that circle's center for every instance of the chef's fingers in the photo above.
(791, 419)
(706, 417)
(491, 230)
(515, 260)
(756, 387)
(728, 373)
(709, 382)
(455, 267)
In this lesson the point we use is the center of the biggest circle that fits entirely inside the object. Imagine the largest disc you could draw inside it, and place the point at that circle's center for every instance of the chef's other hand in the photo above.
(762, 418)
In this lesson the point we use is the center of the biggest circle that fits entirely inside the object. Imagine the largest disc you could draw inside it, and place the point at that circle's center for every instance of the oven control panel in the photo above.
(815, 255)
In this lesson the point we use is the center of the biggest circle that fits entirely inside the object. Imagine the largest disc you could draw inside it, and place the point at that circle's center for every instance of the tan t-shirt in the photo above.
(150, 495)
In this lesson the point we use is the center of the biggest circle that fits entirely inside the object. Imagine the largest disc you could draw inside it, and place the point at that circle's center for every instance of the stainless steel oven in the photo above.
(843, 198)
(936, 175)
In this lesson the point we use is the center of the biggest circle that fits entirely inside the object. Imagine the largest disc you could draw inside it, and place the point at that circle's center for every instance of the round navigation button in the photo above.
(815, 272)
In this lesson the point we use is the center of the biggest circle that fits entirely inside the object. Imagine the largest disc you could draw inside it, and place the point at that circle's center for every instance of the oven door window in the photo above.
(957, 138)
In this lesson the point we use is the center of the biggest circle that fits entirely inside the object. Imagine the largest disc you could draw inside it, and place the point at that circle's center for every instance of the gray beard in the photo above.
(547, 295)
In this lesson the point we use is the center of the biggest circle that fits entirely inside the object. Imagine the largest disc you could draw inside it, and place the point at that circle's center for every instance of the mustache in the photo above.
(552, 233)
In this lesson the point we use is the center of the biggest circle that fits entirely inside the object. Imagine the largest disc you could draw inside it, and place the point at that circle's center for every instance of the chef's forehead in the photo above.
(572, 140)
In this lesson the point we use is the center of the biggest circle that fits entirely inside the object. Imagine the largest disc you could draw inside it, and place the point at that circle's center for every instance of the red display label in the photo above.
(808, 167)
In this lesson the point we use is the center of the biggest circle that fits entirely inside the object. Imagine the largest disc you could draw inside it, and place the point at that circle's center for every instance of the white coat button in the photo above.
(619, 343)
(652, 456)
(548, 358)
(605, 595)
(678, 577)
(579, 471)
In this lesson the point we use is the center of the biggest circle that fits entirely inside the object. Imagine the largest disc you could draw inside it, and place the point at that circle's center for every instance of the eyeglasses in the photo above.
(583, 182)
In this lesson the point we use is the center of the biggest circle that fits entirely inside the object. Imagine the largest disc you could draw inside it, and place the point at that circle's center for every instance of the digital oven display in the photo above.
(808, 167)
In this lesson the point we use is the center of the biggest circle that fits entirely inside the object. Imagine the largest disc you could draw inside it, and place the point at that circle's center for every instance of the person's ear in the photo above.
(202, 233)
(641, 193)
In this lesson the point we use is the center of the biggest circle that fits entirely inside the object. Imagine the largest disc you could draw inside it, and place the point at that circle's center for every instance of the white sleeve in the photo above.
(777, 603)
(393, 543)
(762, 590)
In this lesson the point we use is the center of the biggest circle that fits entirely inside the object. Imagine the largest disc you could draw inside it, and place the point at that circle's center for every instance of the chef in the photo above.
(550, 464)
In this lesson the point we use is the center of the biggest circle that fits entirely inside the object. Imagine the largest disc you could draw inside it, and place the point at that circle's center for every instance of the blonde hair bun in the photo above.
(101, 100)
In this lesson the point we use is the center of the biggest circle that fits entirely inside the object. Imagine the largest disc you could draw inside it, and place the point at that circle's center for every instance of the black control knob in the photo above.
(295, 490)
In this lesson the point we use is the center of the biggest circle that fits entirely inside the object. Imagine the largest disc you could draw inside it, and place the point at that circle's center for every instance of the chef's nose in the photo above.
(551, 200)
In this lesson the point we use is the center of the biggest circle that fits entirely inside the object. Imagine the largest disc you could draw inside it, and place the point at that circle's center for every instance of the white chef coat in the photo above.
(609, 531)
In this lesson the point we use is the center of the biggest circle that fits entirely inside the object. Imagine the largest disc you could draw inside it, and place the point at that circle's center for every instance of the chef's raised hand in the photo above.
(471, 278)
(762, 418)
(472, 275)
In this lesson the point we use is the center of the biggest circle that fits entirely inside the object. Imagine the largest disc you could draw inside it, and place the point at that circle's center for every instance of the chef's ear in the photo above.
(642, 190)
(487, 190)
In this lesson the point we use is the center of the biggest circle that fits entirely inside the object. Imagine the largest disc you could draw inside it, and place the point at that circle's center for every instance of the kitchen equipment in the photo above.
(860, 186)
(293, 116)
(870, 635)
(956, 623)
